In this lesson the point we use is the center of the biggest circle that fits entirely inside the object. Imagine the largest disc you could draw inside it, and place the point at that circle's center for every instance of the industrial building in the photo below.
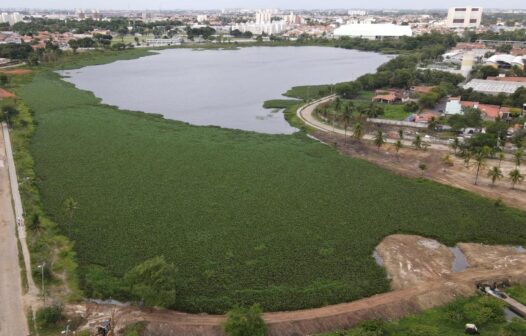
(464, 17)
(373, 31)
(494, 87)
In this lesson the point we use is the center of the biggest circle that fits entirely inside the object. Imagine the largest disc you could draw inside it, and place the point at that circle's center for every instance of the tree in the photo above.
(455, 144)
(418, 141)
(495, 174)
(70, 207)
(423, 167)
(347, 117)
(348, 90)
(373, 110)
(154, 282)
(74, 45)
(480, 159)
(398, 146)
(4, 80)
(518, 155)
(245, 322)
(515, 177)
(379, 140)
(358, 131)
(9, 113)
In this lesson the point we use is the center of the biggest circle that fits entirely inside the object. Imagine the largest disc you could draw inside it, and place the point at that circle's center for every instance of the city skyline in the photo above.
(292, 4)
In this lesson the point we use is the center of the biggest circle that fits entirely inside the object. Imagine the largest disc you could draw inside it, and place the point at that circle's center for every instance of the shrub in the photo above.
(154, 282)
(245, 322)
(49, 316)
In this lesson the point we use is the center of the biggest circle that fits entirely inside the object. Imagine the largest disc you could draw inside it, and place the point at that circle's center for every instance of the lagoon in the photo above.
(224, 88)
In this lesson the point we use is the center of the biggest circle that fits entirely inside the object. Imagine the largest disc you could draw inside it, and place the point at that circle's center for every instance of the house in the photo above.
(388, 96)
(427, 116)
(489, 112)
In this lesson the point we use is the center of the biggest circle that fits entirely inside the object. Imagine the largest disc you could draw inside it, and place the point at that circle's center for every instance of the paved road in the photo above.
(13, 320)
(306, 113)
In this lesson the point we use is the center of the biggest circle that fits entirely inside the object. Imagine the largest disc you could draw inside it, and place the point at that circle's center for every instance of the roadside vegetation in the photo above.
(485, 312)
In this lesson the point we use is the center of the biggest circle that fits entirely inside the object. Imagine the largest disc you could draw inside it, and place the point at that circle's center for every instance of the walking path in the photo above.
(306, 114)
(12, 315)
(11, 215)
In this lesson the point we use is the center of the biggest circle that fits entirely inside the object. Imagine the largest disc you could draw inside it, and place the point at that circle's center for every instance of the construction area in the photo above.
(423, 272)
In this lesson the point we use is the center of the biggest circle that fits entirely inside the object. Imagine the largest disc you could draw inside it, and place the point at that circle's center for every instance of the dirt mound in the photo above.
(410, 260)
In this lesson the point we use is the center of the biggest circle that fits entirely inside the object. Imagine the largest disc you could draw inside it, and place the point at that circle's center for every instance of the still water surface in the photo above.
(224, 88)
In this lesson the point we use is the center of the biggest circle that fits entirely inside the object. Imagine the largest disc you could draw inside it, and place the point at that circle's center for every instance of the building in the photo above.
(506, 61)
(263, 24)
(11, 18)
(202, 18)
(494, 87)
(453, 106)
(464, 17)
(373, 31)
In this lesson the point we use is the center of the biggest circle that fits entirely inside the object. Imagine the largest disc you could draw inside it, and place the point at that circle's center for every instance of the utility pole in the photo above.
(42, 266)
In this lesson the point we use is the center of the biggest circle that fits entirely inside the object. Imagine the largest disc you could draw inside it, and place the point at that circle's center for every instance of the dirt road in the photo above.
(12, 315)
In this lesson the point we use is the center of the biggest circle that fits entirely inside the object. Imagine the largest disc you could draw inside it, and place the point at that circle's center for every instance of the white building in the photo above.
(11, 18)
(263, 24)
(373, 31)
(453, 106)
(464, 17)
(357, 13)
(494, 87)
(202, 18)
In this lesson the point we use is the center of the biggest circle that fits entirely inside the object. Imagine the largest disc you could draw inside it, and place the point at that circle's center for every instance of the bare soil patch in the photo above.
(410, 260)
(16, 72)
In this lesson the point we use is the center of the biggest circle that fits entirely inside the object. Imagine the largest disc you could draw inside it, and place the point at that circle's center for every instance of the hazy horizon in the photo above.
(288, 4)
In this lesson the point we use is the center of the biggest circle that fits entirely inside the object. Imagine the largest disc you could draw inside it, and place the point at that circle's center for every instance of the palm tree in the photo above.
(358, 131)
(347, 117)
(398, 146)
(495, 174)
(70, 207)
(519, 154)
(480, 159)
(379, 140)
(418, 141)
(515, 177)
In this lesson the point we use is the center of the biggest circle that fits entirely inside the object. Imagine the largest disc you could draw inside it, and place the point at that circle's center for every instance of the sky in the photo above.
(286, 4)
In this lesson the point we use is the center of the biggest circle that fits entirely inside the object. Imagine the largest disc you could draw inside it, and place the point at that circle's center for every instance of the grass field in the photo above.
(450, 320)
(280, 220)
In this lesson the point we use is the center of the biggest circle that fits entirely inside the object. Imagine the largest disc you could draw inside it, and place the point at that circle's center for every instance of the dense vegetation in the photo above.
(486, 312)
(232, 210)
